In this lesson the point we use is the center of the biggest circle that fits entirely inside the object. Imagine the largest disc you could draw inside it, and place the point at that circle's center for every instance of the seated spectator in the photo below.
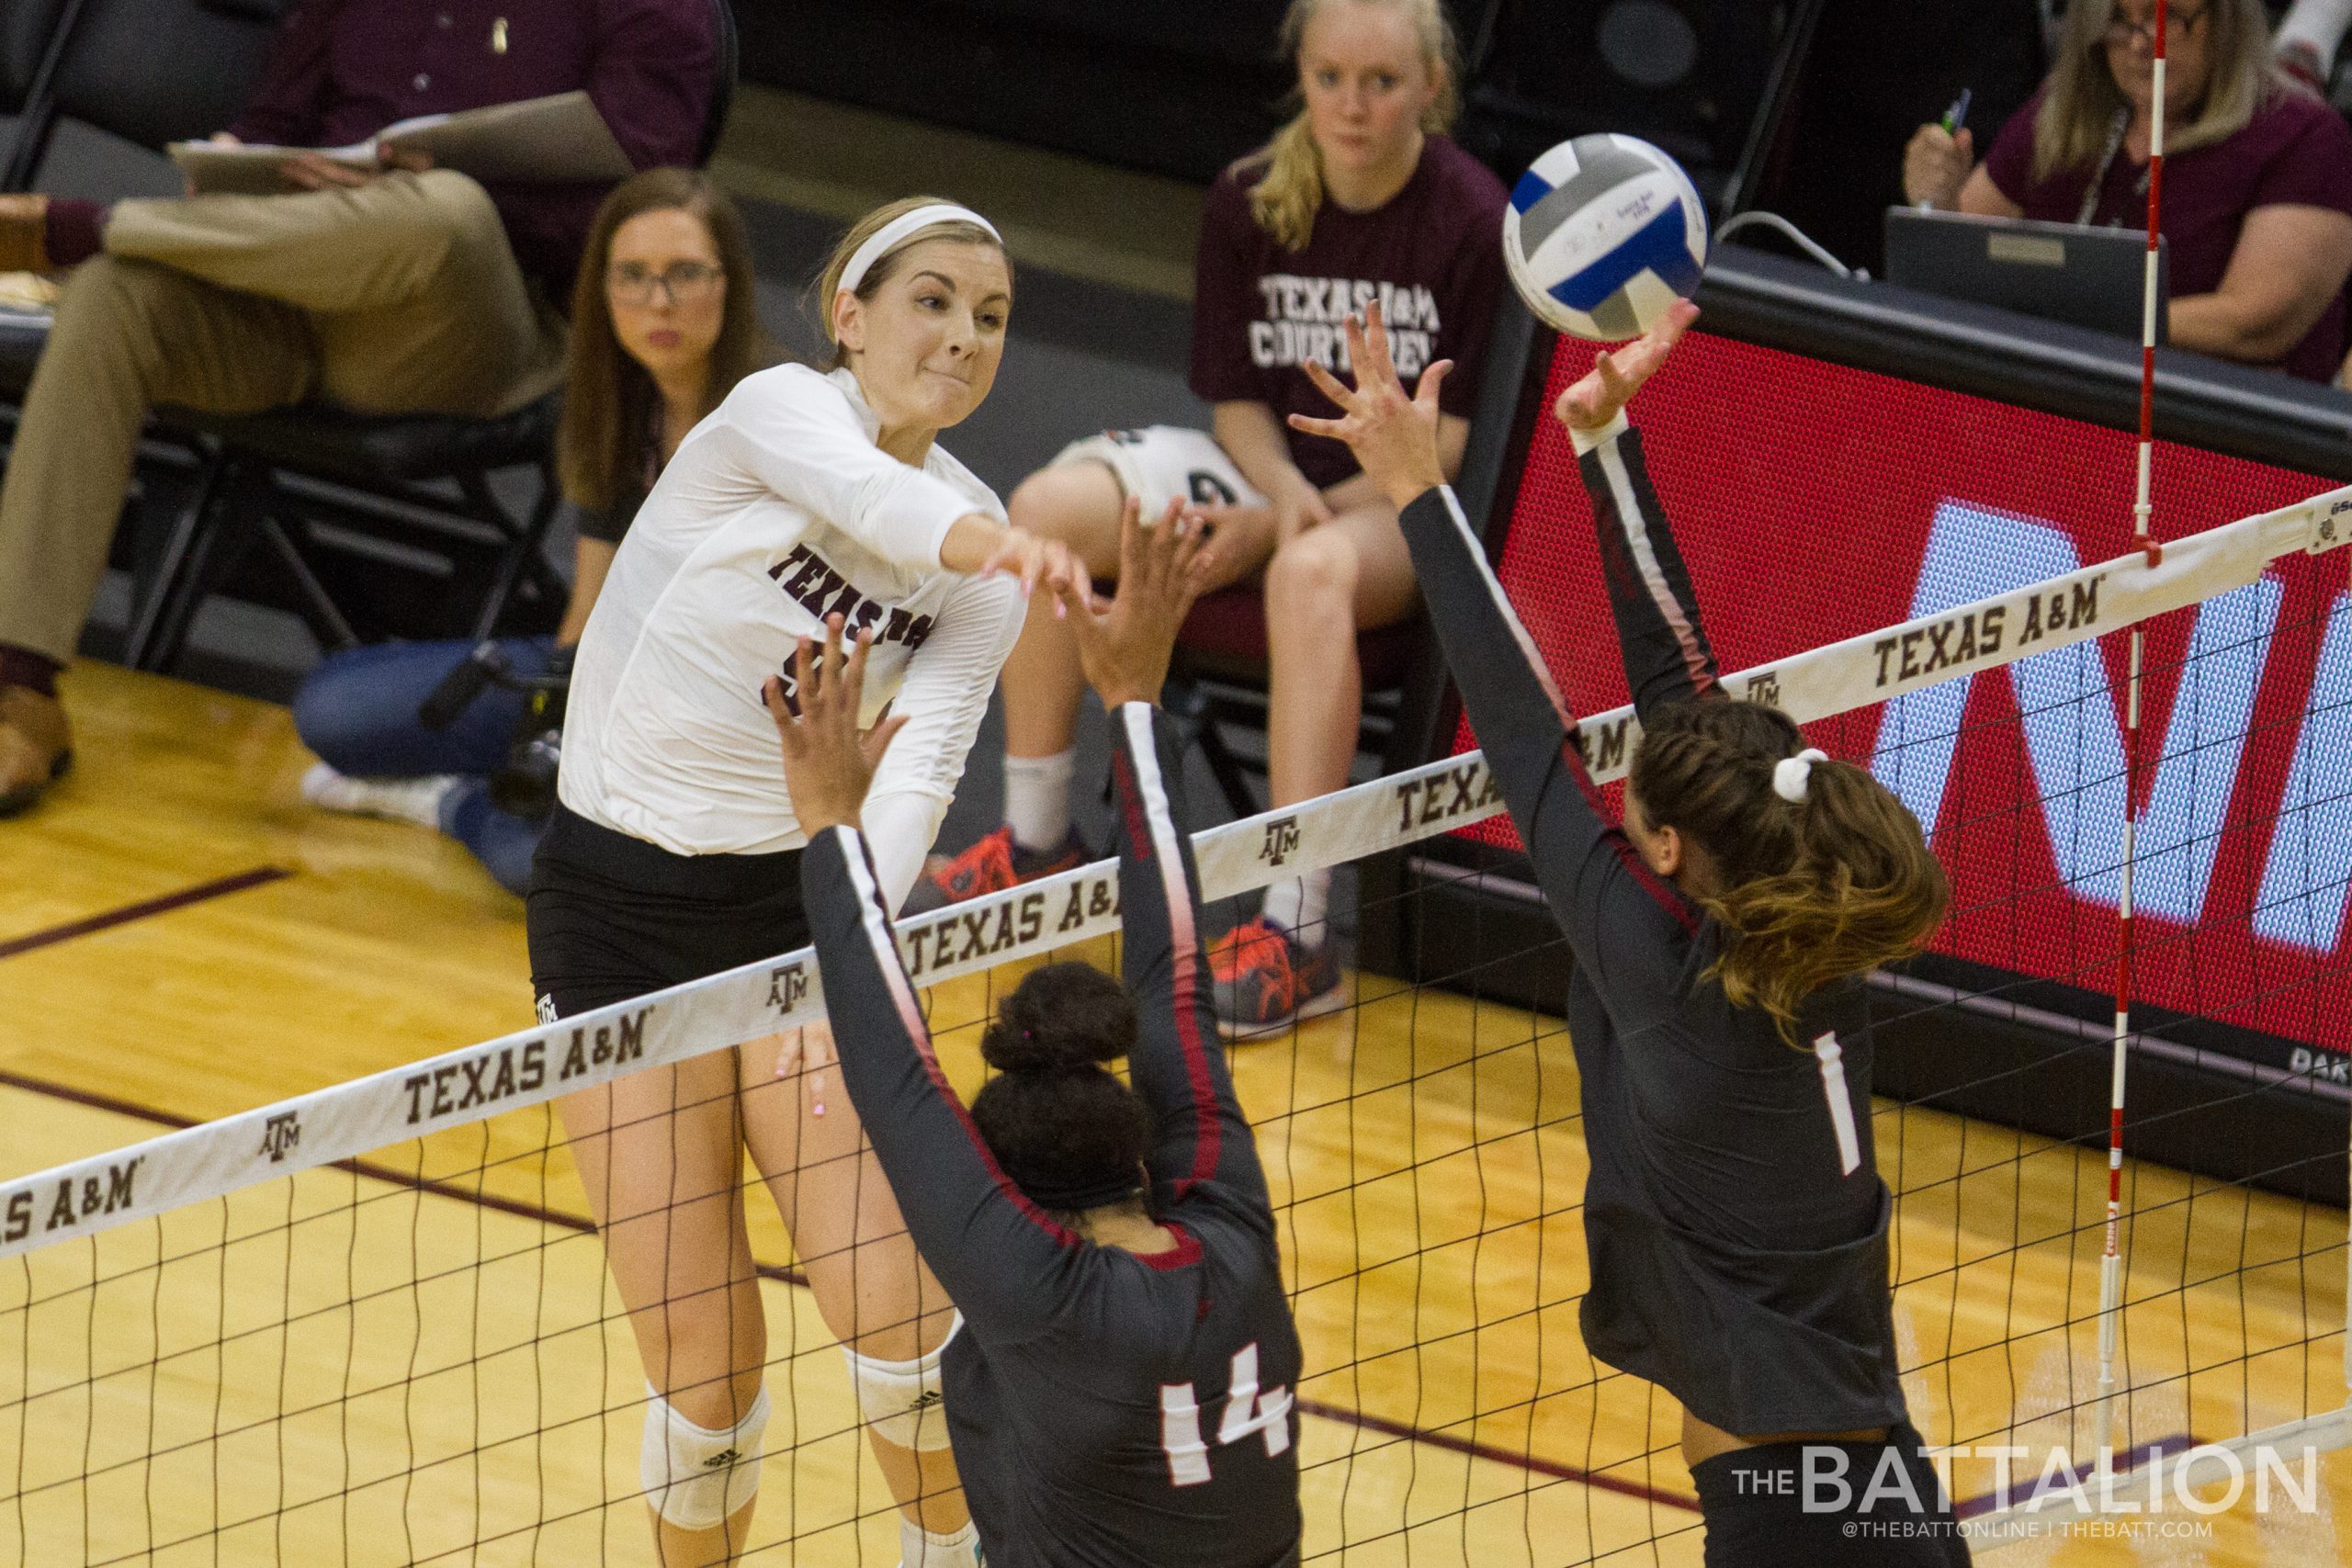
(402, 290)
(2257, 199)
(664, 321)
(1361, 198)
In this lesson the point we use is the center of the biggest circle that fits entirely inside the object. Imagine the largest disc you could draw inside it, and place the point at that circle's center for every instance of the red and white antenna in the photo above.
(2110, 1276)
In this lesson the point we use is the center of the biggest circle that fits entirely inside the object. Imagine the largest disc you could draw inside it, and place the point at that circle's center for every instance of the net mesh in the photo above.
(311, 1335)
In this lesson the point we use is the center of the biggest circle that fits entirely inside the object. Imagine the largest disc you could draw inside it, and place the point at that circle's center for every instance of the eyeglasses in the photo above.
(2122, 32)
(633, 283)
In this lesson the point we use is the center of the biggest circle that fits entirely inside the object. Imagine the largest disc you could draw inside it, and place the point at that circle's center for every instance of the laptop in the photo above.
(2061, 272)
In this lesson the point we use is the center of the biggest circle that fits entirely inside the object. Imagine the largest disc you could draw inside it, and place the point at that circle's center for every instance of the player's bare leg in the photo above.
(869, 1283)
(1078, 505)
(1321, 588)
(660, 1156)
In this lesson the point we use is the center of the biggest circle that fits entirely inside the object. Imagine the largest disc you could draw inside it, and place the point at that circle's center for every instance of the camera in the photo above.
(525, 784)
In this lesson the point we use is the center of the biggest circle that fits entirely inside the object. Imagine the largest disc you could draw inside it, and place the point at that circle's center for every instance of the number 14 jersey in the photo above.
(1107, 1409)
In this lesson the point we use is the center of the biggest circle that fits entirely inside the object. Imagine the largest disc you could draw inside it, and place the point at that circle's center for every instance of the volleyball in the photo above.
(1602, 234)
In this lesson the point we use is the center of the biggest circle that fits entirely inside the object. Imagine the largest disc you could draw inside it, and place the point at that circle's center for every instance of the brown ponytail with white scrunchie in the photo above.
(1819, 871)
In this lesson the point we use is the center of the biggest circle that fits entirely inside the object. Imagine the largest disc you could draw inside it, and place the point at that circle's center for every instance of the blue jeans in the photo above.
(357, 711)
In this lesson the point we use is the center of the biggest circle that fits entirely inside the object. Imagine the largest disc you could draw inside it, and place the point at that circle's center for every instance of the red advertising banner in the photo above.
(1815, 501)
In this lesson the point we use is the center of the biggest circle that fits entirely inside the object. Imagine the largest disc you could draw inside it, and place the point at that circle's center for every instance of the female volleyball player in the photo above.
(664, 321)
(1120, 1391)
(672, 853)
(1361, 197)
(1734, 1215)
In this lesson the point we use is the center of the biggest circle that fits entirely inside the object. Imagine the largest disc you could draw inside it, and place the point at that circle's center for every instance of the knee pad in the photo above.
(901, 1400)
(696, 1478)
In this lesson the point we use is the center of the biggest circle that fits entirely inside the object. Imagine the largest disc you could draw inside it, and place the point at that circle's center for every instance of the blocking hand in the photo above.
(1618, 373)
(1394, 436)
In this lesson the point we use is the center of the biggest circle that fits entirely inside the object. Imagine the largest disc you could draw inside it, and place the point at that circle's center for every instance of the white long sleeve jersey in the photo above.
(779, 511)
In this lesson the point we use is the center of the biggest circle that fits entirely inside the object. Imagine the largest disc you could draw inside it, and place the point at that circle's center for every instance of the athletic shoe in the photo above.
(35, 746)
(993, 864)
(395, 800)
(1267, 979)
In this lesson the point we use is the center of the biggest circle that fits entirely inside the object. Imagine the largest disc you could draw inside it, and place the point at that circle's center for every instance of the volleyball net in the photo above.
(375, 1324)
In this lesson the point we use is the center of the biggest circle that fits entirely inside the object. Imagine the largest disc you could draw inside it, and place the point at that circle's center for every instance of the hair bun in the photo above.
(1060, 1018)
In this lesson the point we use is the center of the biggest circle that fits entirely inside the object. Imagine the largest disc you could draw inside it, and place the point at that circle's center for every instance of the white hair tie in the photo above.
(898, 230)
(1792, 776)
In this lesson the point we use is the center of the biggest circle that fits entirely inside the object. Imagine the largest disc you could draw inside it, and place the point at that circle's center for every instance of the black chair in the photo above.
(397, 469)
(112, 84)
(112, 87)
(323, 491)
(32, 44)
(32, 37)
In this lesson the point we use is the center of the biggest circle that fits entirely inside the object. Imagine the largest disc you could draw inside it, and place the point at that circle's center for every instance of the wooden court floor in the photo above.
(421, 1360)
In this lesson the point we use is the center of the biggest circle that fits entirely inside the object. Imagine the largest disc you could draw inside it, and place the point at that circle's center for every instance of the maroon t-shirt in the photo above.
(2295, 152)
(1431, 256)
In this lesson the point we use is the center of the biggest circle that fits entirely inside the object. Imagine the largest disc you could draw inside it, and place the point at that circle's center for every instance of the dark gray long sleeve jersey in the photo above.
(1106, 1409)
(1734, 1215)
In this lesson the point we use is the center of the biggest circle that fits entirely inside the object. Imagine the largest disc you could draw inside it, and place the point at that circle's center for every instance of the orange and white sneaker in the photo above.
(991, 865)
(1267, 979)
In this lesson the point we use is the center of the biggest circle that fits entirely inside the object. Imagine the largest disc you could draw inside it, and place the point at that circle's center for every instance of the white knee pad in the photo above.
(901, 1400)
(696, 1478)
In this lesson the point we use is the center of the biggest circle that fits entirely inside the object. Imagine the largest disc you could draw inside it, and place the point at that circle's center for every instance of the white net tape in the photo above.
(537, 1065)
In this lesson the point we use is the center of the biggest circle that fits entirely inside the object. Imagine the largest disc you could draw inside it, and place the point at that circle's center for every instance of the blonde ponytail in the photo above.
(1286, 198)
(1290, 191)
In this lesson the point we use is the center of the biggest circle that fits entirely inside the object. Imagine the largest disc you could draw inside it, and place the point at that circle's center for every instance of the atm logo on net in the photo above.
(2252, 861)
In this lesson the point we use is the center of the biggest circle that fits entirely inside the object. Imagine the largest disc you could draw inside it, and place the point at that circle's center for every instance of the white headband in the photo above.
(896, 232)
(1792, 776)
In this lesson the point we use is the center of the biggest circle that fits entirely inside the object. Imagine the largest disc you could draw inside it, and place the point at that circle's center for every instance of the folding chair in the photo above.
(325, 493)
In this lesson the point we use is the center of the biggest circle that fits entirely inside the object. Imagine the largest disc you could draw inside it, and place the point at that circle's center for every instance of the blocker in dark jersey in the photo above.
(1106, 1409)
(1735, 1216)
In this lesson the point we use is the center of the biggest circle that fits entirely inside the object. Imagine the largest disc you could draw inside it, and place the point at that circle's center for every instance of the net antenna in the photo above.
(2111, 1268)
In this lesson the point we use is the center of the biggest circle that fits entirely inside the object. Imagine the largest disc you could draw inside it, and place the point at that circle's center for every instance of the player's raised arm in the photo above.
(996, 1252)
(1665, 652)
(1597, 886)
(1176, 1065)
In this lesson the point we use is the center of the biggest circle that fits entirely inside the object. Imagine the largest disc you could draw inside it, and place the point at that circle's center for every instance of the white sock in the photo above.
(1036, 798)
(1301, 905)
(416, 800)
(918, 1547)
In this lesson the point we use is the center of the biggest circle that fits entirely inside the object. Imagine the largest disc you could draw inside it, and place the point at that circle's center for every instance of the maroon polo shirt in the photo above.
(342, 70)
(2295, 152)
(1432, 256)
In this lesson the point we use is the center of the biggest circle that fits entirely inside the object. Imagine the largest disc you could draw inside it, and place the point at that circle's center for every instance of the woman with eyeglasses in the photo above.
(2258, 198)
(663, 325)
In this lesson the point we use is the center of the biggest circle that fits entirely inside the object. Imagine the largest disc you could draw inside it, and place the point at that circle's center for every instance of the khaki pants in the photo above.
(397, 297)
